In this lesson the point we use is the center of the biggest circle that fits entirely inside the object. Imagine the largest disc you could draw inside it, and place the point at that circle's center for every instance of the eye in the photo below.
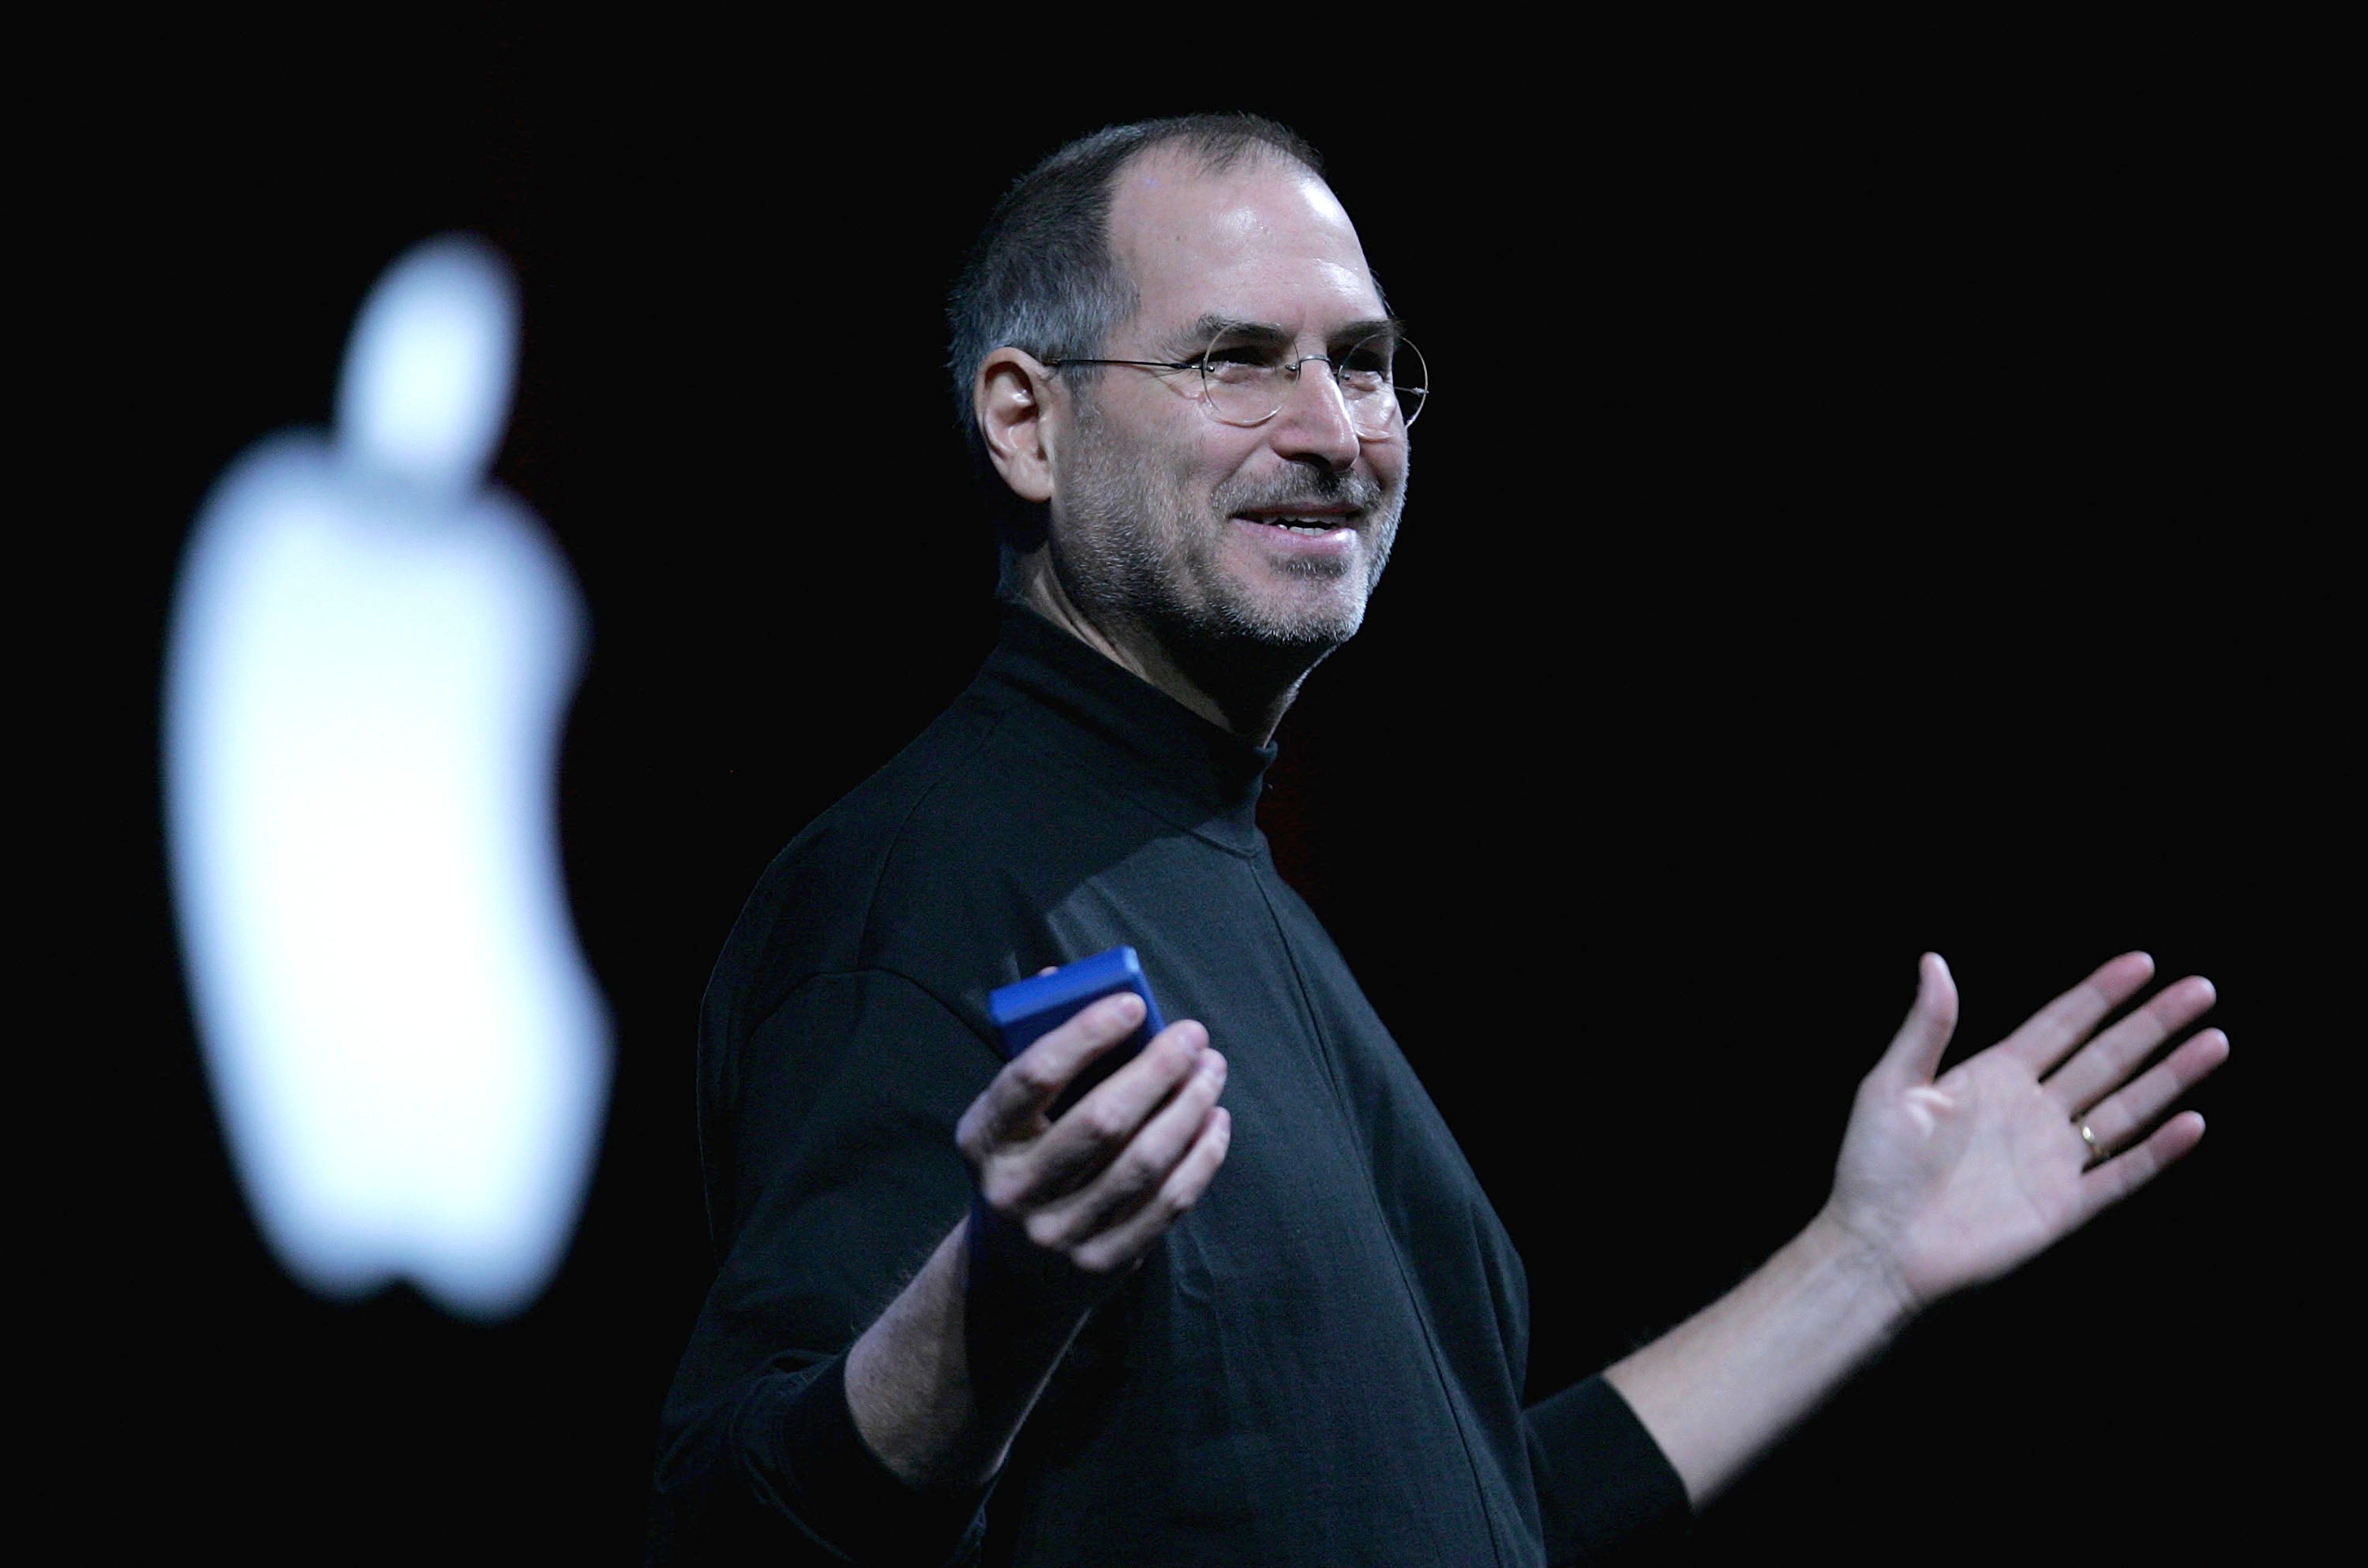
(1249, 354)
(1366, 367)
(1238, 364)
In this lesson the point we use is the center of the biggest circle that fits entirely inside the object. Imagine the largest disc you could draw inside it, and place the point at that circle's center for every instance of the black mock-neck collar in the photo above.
(1196, 774)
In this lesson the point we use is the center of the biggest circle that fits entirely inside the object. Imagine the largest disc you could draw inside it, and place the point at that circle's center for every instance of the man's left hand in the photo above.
(1953, 1180)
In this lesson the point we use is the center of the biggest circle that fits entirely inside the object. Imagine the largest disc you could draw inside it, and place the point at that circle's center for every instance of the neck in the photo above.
(1245, 689)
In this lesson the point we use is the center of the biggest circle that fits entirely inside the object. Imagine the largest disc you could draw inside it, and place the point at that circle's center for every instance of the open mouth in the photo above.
(1307, 526)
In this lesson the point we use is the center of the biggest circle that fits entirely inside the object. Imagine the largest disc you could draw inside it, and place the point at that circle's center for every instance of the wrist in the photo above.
(1832, 1241)
(1034, 1300)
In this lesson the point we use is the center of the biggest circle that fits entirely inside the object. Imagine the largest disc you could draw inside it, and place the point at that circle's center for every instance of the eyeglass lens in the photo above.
(1383, 382)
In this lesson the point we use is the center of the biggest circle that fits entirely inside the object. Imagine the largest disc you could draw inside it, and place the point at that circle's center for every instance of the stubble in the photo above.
(1134, 549)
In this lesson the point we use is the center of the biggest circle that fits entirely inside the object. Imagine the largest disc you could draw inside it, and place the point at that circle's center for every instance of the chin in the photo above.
(1301, 621)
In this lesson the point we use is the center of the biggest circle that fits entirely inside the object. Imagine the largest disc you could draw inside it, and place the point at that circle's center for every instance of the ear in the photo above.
(1014, 404)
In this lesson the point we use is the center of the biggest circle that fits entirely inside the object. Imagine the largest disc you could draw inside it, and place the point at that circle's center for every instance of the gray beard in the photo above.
(1115, 567)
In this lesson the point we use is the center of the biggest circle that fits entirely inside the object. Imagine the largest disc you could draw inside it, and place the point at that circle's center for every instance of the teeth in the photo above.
(1300, 525)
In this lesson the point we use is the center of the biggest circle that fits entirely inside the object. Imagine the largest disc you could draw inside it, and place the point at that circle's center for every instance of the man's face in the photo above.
(1199, 530)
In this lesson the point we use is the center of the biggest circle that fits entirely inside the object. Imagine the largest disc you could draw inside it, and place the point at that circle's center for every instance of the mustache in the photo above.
(1354, 488)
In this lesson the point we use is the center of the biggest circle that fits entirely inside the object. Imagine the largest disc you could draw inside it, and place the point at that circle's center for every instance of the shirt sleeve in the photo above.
(777, 1474)
(844, 1178)
(1606, 1492)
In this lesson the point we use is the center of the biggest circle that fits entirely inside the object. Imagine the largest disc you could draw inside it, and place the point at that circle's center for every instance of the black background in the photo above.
(1860, 511)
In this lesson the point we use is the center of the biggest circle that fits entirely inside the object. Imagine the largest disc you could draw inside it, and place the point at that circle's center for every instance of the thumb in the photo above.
(1915, 1052)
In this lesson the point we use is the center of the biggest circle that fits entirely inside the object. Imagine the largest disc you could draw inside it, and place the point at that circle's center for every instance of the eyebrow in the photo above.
(1209, 328)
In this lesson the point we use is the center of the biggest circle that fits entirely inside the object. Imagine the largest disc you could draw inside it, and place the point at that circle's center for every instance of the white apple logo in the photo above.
(369, 667)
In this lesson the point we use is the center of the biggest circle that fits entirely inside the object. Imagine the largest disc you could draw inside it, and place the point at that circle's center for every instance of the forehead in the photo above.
(1266, 241)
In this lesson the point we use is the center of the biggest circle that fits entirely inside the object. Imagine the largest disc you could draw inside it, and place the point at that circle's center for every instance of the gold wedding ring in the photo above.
(2096, 1150)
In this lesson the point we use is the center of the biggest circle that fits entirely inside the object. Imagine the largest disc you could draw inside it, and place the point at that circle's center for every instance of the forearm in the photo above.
(938, 1385)
(940, 1382)
(1721, 1388)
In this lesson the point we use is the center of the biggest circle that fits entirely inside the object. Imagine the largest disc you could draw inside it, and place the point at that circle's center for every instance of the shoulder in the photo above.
(914, 872)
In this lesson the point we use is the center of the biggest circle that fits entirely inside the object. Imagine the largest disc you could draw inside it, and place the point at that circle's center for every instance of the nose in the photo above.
(1313, 423)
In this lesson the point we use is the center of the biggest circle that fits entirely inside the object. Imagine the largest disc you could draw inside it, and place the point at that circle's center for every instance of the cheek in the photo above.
(1221, 482)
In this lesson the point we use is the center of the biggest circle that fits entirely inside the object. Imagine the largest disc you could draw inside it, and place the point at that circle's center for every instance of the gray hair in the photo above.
(1041, 276)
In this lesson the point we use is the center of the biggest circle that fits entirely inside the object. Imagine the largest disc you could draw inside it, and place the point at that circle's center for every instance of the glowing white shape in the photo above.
(367, 676)
(425, 387)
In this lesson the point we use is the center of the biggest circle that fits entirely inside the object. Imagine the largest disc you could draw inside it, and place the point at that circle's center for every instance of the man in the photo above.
(1285, 1327)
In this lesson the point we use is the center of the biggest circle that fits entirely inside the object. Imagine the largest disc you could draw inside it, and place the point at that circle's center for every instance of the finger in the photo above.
(1125, 1241)
(1140, 1168)
(2127, 1172)
(2121, 1117)
(1010, 1109)
(1915, 1052)
(1032, 1172)
(2100, 1066)
(1092, 1133)
(2055, 1029)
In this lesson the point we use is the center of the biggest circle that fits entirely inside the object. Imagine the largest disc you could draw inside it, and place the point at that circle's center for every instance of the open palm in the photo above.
(1958, 1179)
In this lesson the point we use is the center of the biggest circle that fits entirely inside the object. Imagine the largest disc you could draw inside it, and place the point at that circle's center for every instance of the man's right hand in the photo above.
(1080, 1200)
(938, 1385)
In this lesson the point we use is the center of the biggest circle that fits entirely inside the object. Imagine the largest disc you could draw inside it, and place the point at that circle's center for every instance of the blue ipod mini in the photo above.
(1028, 1008)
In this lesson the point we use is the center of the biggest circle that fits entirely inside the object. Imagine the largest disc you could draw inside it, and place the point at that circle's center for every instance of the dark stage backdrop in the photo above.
(1849, 521)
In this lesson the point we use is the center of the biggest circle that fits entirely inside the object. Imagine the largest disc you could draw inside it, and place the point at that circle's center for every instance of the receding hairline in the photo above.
(1216, 150)
(1229, 162)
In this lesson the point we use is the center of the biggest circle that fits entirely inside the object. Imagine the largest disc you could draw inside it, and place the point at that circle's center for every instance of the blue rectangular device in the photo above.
(1028, 1008)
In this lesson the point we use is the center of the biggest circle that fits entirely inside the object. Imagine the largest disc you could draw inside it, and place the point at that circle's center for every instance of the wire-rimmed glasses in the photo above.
(1245, 378)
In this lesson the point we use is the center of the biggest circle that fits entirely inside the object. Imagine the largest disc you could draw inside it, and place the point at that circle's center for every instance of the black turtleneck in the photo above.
(1321, 1363)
